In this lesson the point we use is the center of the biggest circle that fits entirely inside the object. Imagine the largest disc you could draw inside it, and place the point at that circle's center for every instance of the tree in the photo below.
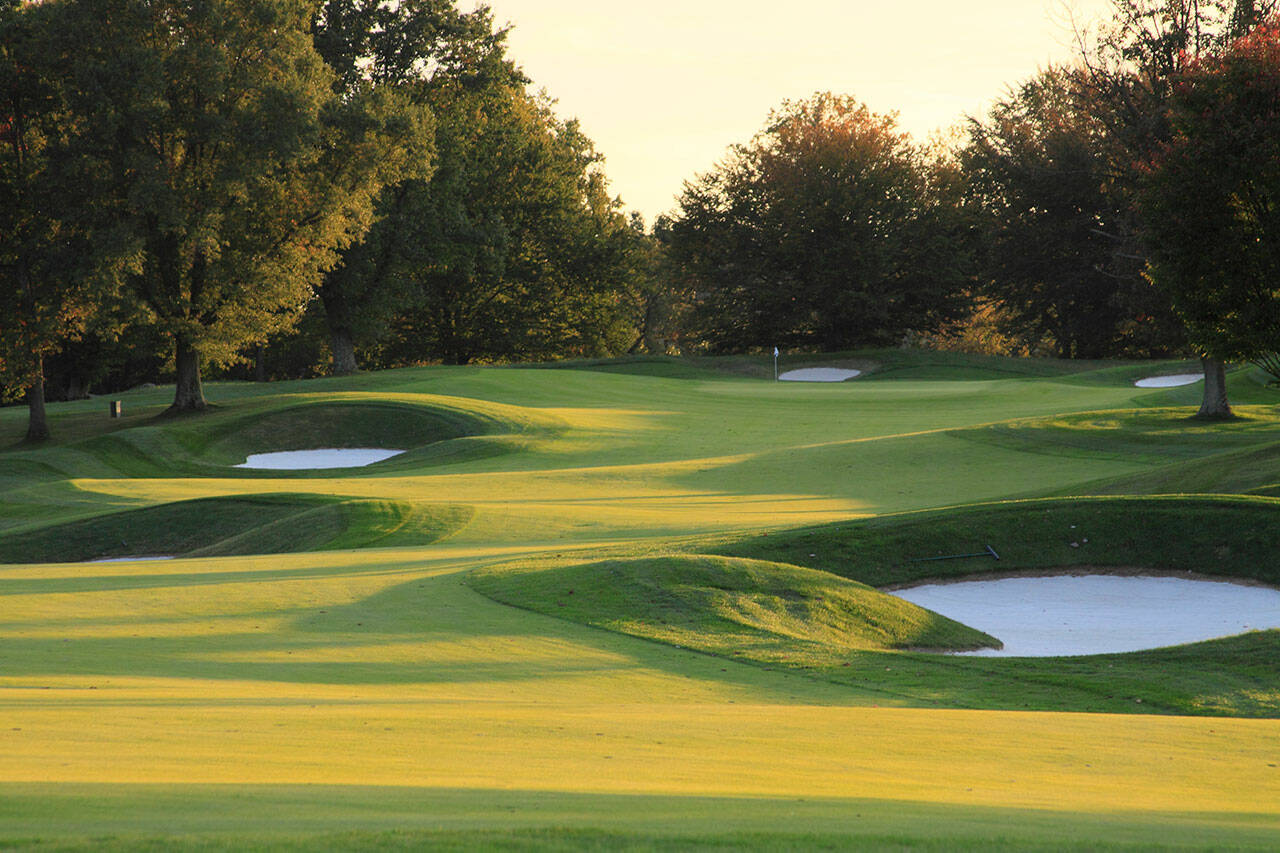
(231, 166)
(1130, 68)
(1210, 205)
(414, 47)
(829, 230)
(1040, 171)
(44, 293)
(517, 251)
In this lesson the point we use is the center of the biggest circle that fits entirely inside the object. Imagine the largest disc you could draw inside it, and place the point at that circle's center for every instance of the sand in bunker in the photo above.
(298, 460)
(819, 374)
(1172, 381)
(1098, 614)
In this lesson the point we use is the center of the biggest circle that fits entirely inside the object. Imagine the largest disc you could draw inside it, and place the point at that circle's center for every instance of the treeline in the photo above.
(1126, 205)
(283, 188)
(288, 187)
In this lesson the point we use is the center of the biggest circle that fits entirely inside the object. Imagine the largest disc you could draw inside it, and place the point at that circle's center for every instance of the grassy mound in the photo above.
(261, 524)
(745, 608)
(392, 425)
(1227, 536)
(434, 430)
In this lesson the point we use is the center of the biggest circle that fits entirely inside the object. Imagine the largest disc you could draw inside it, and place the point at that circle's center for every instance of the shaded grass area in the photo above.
(258, 524)
(730, 606)
(433, 431)
(1232, 536)
(283, 817)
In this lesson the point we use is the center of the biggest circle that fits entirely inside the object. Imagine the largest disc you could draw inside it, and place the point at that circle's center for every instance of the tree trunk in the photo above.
(337, 315)
(38, 418)
(1215, 404)
(654, 342)
(260, 363)
(77, 386)
(189, 395)
(344, 351)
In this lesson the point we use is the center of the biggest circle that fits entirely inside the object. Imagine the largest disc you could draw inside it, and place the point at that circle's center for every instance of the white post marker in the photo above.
(775, 364)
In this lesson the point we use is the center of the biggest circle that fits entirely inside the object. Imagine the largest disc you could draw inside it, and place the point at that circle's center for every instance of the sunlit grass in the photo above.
(332, 697)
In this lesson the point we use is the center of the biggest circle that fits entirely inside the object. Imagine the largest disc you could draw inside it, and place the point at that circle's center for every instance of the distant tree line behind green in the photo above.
(284, 188)
(1126, 205)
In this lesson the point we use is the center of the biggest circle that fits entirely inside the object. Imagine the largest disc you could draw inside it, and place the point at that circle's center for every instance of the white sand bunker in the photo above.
(819, 374)
(1098, 614)
(1172, 381)
(300, 460)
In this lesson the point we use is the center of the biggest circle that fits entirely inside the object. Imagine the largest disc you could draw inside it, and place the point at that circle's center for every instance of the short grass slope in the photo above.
(752, 609)
(219, 527)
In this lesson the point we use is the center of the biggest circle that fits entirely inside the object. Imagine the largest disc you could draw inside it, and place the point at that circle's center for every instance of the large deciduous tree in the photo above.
(1210, 204)
(45, 296)
(1130, 68)
(414, 47)
(237, 172)
(1040, 170)
(829, 230)
(515, 248)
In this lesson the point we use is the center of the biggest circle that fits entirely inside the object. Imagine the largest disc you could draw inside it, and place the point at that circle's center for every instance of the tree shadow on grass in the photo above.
(425, 631)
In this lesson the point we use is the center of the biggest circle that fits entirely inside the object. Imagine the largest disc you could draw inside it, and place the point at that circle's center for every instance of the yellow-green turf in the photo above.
(322, 670)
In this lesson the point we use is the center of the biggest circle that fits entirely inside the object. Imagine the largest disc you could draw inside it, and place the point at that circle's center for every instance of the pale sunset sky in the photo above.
(663, 87)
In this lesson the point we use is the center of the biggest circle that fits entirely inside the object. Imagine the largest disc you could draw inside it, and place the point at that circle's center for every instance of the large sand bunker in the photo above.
(1171, 381)
(303, 460)
(1098, 614)
(819, 374)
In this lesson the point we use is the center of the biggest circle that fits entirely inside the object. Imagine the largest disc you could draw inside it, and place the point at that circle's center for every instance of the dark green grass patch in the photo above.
(259, 524)
(212, 444)
(759, 610)
(1222, 535)
(70, 817)
(337, 425)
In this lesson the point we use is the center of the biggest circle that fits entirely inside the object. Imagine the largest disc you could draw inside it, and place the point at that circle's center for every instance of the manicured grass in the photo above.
(326, 673)
(729, 606)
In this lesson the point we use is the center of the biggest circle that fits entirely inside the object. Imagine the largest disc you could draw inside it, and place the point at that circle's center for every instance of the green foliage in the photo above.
(413, 48)
(830, 229)
(232, 168)
(1210, 210)
(45, 284)
(1056, 257)
(517, 251)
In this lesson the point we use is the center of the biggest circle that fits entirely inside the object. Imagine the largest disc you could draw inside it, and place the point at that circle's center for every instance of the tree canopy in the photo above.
(830, 229)
(1210, 202)
(1057, 254)
(233, 166)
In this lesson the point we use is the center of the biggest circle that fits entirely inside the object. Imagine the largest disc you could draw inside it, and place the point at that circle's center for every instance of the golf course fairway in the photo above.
(629, 605)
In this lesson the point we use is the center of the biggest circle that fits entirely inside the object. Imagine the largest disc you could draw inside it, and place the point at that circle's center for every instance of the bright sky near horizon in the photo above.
(664, 87)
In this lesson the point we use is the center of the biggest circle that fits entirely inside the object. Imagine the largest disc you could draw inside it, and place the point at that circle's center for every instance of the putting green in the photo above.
(370, 695)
